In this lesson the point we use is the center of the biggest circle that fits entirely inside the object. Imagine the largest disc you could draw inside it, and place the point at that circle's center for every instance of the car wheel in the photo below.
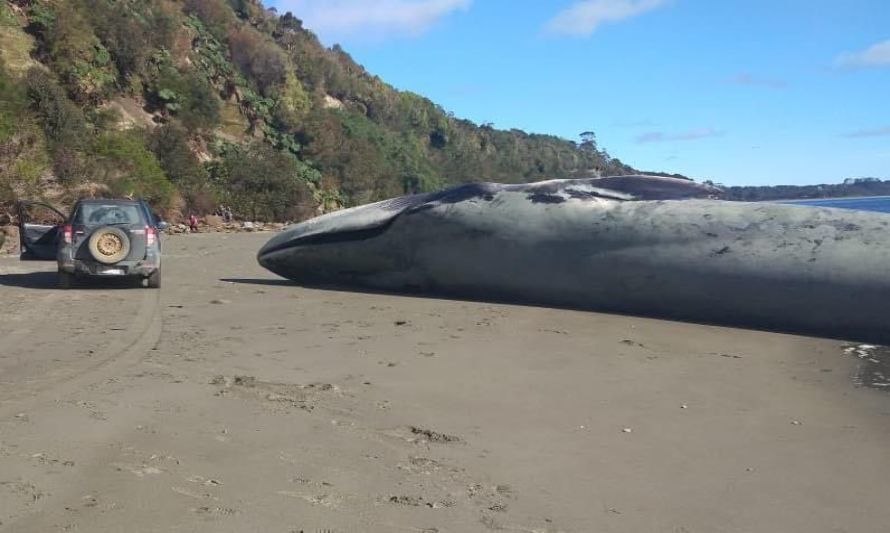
(66, 280)
(154, 280)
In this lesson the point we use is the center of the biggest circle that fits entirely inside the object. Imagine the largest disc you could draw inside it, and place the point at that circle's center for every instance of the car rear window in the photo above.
(107, 214)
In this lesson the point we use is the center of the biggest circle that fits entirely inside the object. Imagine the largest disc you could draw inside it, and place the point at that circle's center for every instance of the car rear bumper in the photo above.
(124, 268)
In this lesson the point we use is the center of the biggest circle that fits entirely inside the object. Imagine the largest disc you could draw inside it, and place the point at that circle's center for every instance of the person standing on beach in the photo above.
(193, 223)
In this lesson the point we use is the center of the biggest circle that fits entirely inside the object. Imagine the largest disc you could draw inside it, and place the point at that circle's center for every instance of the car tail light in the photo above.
(67, 234)
(151, 236)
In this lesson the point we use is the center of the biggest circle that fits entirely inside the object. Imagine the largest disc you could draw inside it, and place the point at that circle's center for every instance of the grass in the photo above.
(233, 123)
(15, 44)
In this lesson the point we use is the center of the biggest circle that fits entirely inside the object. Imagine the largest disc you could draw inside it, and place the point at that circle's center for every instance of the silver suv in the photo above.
(101, 238)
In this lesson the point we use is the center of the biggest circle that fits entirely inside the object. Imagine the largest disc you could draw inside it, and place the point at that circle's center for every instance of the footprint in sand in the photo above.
(276, 396)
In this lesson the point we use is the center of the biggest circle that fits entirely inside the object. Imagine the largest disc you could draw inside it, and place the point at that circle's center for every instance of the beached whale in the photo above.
(634, 244)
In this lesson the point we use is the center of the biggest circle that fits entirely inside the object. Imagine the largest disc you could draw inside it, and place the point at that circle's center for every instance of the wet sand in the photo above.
(231, 401)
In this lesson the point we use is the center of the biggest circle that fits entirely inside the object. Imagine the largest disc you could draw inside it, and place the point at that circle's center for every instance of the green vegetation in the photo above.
(264, 183)
(197, 103)
(124, 164)
(170, 145)
(12, 105)
(23, 154)
(63, 122)
(187, 97)
(851, 187)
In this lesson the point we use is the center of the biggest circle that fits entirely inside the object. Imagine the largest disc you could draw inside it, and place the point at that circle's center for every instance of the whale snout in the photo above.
(317, 249)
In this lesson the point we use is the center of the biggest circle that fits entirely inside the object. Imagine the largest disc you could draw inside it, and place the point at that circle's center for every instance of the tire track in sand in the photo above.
(19, 317)
(25, 313)
(142, 334)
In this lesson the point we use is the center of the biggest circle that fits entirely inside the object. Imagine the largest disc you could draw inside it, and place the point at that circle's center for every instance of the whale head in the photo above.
(345, 245)
(312, 251)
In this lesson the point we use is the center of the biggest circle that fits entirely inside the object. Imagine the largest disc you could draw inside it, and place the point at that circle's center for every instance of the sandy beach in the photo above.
(232, 401)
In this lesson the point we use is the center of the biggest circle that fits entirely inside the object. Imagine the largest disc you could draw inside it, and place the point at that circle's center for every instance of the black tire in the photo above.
(154, 280)
(66, 280)
(109, 245)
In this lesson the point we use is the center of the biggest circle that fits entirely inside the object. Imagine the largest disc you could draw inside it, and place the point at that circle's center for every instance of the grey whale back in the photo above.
(371, 219)
(636, 245)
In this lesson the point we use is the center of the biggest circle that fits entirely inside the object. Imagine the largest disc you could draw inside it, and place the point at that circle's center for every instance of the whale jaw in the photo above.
(348, 225)
(332, 248)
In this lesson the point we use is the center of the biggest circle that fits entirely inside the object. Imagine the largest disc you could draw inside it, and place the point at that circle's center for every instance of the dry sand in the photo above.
(232, 402)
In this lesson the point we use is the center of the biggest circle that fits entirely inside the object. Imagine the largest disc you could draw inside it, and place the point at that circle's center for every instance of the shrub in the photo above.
(216, 15)
(292, 104)
(62, 121)
(210, 56)
(131, 32)
(7, 18)
(264, 183)
(129, 168)
(170, 144)
(13, 103)
(187, 96)
(258, 58)
(74, 52)
(201, 108)
(71, 166)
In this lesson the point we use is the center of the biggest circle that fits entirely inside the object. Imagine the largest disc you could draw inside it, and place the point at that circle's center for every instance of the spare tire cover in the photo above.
(109, 245)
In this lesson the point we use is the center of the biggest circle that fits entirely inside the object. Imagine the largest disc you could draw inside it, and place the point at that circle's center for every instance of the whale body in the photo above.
(633, 244)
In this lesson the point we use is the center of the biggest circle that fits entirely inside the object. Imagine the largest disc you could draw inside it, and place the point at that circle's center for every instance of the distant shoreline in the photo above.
(828, 199)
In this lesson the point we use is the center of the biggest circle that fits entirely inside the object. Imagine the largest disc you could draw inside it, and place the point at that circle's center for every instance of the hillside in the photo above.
(205, 102)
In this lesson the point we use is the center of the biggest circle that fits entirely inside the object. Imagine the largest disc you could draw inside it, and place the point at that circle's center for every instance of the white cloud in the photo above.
(876, 55)
(864, 133)
(582, 18)
(371, 18)
(690, 135)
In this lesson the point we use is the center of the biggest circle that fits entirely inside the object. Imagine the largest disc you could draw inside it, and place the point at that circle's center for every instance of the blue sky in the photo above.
(741, 92)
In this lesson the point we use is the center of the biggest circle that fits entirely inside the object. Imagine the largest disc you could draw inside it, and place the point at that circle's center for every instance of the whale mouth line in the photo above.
(393, 209)
(331, 238)
(350, 225)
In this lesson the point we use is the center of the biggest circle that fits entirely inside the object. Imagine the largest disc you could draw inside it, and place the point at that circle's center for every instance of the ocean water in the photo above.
(880, 204)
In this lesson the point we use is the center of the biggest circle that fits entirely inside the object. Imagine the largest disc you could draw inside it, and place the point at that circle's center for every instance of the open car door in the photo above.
(39, 228)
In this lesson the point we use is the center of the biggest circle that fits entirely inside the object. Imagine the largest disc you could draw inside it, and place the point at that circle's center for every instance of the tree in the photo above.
(264, 183)
(131, 33)
(289, 22)
(201, 106)
(588, 141)
(63, 122)
(259, 59)
(128, 168)
(170, 144)
(187, 96)
(242, 8)
(23, 158)
(216, 15)
(13, 104)
(68, 44)
(292, 104)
